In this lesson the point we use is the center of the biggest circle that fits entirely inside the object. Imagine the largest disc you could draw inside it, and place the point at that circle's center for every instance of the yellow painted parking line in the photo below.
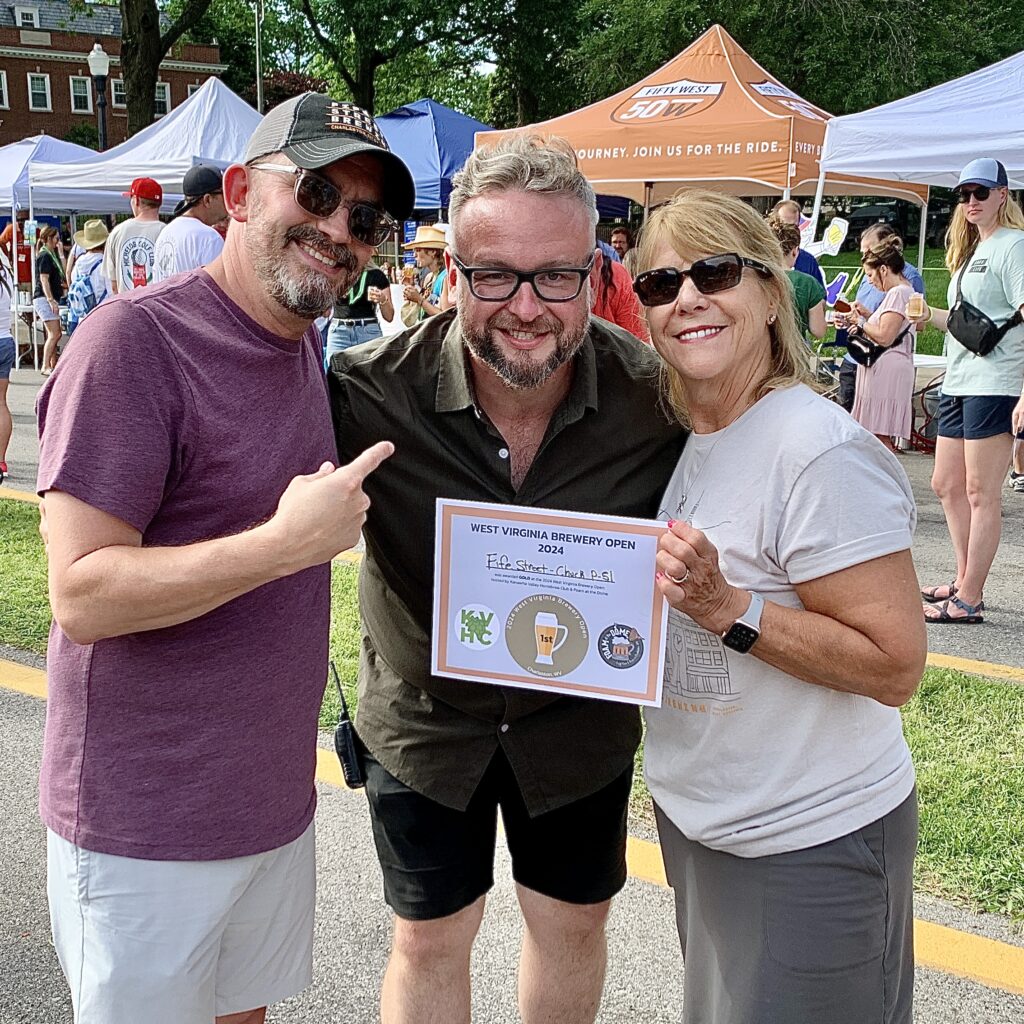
(977, 668)
(22, 679)
(994, 964)
(13, 495)
(991, 963)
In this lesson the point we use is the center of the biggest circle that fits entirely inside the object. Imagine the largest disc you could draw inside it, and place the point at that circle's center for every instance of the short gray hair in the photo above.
(522, 163)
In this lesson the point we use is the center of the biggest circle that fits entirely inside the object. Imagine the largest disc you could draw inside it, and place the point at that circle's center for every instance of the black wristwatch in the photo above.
(744, 632)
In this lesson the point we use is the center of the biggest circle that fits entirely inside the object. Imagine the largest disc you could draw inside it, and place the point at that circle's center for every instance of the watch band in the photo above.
(746, 630)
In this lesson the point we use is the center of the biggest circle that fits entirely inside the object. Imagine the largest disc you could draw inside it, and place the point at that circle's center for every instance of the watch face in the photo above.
(740, 637)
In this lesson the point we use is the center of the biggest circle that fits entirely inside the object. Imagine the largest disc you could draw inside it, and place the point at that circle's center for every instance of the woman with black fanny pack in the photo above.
(981, 405)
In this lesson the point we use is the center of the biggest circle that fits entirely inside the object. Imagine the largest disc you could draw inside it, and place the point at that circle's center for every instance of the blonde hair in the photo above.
(699, 223)
(522, 163)
(962, 237)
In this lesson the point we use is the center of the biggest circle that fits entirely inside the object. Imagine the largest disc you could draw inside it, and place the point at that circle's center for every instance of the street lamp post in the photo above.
(99, 68)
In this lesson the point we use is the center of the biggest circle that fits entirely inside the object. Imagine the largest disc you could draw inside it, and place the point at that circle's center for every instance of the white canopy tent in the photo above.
(929, 137)
(212, 126)
(17, 157)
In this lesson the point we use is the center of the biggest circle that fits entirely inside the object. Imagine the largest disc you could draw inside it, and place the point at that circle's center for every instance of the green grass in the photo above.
(24, 608)
(966, 733)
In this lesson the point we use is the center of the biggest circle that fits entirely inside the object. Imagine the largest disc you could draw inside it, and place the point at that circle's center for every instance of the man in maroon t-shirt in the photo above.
(192, 510)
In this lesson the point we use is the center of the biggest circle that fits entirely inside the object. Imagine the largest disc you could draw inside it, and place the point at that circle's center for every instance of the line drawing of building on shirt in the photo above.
(696, 662)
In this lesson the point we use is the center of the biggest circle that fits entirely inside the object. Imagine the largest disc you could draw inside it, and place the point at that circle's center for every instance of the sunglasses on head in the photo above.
(709, 276)
(321, 198)
(980, 192)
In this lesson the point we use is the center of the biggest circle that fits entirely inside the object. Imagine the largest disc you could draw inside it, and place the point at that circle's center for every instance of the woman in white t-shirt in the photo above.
(783, 786)
(982, 405)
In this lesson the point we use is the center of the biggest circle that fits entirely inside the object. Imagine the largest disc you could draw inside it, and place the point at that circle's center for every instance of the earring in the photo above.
(771, 319)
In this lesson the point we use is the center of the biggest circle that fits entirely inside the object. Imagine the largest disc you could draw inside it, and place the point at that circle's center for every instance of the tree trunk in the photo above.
(141, 53)
(143, 48)
(364, 93)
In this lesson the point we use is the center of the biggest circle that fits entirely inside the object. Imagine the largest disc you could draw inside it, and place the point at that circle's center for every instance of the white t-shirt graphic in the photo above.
(131, 252)
(185, 244)
(741, 756)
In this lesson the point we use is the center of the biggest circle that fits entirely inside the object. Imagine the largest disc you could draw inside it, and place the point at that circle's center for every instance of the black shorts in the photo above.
(975, 417)
(437, 861)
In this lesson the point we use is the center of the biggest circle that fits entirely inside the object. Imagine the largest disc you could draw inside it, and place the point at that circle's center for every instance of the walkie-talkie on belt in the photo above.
(345, 742)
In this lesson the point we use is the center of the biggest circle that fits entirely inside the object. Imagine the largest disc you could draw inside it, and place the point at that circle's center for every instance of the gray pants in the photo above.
(816, 936)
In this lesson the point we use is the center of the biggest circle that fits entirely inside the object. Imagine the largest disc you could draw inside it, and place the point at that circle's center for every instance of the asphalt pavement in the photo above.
(1000, 639)
(645, 974)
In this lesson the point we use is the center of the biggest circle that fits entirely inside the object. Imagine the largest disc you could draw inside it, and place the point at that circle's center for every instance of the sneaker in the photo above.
(1016, 482)
(3, 472)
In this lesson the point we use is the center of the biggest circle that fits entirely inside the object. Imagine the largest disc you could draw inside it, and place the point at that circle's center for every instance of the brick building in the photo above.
(45, 84)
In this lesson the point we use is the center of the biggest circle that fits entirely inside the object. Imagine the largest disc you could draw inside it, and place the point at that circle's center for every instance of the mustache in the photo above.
(342, 254)
(506, 321)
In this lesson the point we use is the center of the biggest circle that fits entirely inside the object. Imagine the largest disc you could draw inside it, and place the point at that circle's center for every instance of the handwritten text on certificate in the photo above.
(553, 601)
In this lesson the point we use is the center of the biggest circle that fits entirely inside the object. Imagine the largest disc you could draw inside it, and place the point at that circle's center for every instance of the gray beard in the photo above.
(308, 293)
(522, 373)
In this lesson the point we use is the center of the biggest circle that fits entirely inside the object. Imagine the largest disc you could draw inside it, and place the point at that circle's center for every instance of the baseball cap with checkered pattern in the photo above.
(314, 130)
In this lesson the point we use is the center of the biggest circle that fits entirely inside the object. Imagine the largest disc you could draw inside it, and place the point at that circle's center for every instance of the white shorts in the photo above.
(45, 310)
(180, 942)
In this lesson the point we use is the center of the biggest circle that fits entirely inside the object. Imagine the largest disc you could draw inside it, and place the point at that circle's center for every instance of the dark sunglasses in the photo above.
(980, 192)
(710, 275)
(320, 197)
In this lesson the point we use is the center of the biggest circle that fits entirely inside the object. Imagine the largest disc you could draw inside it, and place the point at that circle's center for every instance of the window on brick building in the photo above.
(163, 98)
(4, 103)
(81, 94)
(117, 92)
(39, 92)
(192, 87)
(26, 17)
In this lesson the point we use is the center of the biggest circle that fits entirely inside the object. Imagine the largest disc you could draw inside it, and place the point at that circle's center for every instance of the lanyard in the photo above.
(355, 296)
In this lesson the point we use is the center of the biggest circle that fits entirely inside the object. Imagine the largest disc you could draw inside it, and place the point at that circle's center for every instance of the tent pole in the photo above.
(818, 194)
(14, 279)
(785, 192)
(32, 264)
(923, 232)
(648, 195)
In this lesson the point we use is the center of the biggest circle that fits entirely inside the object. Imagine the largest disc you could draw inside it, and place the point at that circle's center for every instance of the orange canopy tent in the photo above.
(712, 116)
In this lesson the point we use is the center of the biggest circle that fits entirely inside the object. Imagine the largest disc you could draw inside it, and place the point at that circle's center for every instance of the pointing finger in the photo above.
(364, 464)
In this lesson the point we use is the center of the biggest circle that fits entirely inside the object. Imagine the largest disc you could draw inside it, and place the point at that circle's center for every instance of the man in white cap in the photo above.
(191, 240)
(192, 509)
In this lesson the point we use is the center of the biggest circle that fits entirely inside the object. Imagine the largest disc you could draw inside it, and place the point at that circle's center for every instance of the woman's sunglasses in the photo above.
(320, 198)
(980, 192)
(709, 276)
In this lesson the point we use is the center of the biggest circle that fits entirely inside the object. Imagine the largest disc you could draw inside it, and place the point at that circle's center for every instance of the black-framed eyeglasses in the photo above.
(320, 197)
(980, 192)
(499, 284)
(710, 275)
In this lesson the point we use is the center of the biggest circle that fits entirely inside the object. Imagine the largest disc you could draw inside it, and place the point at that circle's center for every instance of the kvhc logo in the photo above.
(474, 627)
(666, 103)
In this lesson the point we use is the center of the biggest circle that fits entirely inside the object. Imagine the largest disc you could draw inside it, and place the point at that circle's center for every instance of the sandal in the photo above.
(972, 617)
(932, 595)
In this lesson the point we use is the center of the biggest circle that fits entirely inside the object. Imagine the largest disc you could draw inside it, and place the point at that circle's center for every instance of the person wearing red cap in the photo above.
(131, 248)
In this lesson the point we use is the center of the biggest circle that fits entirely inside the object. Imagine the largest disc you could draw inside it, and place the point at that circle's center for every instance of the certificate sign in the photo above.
(554, 601)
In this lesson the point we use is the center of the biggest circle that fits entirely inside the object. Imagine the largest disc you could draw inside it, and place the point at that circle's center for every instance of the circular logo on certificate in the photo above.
(476, 626)
(620, 646)
(546, 635)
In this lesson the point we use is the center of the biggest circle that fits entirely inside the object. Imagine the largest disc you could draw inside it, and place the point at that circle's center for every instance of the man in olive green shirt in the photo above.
(518, 397)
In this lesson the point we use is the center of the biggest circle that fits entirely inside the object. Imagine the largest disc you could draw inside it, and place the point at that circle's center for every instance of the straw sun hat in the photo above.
(92, 235)
(428, 236)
